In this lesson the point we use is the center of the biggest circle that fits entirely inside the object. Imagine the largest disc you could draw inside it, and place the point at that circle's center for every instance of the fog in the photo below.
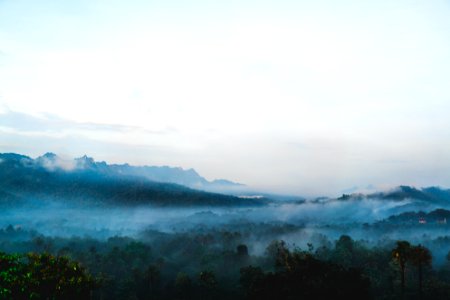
(319, 222)
(124, 243)
(56, 218)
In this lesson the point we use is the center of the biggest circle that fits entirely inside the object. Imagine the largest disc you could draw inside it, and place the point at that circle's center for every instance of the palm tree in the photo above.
(401, 255)
(208, 284)
(420, 257)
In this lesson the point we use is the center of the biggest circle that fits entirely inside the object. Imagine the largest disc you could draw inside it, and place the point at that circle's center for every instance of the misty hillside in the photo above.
(428, 195)
(23, 179)
(437, 216)
(189, 178)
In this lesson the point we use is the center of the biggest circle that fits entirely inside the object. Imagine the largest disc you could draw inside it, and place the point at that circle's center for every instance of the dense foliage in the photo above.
(214, 264)
(43, 276)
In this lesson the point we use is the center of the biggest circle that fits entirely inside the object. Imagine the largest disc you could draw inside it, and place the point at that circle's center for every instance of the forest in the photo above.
(100, 231)
(235, 261)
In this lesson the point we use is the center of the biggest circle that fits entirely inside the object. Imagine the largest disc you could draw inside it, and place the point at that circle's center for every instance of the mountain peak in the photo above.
(85, 158)
(15, 159)
(50, 155)
(192, 172)
(13, 156)
(49, 161)
(85, 162)
(165, 174)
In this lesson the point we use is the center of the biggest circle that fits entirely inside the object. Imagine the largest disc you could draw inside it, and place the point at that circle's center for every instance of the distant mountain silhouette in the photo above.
(189, 178)
(83, 180)
(434, 195)
(405, 199)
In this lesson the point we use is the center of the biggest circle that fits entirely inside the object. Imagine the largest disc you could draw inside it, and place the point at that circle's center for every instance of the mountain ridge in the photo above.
(86, 181)
(186, 177)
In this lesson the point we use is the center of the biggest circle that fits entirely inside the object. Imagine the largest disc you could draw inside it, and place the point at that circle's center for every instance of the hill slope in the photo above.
(23, 179)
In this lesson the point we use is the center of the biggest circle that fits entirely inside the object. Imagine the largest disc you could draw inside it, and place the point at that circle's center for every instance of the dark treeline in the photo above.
(214, 264)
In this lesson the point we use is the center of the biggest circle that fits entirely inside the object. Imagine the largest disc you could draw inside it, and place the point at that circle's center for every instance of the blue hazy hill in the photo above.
(85, 181)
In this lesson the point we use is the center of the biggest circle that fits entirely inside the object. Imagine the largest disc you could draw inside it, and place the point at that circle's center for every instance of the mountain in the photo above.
(433, 195)
(404, 199)
(437, 216)
(189, 178)
(430, 195)
(83, 180)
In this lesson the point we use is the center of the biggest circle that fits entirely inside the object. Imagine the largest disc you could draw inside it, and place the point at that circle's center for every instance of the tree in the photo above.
(298, 275)
(43, 276)
(250, 280)
(420, 257)
(401, 255)
(242, 250)
(11, 277)
(57, 277)
(183, 286)
(208, 284)
(278, 253)
(153, 279)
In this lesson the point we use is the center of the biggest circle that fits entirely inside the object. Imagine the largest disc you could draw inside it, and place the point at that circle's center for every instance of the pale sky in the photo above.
(303, 97)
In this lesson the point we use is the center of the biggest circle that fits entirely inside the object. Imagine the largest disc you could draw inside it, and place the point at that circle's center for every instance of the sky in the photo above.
(301, 97)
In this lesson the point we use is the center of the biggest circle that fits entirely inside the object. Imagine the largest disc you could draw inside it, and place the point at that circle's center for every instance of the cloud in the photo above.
(53, 162)
(69, 145)
(51, 123)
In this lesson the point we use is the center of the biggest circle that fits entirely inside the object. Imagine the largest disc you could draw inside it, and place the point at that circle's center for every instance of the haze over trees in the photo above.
(91, 232)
